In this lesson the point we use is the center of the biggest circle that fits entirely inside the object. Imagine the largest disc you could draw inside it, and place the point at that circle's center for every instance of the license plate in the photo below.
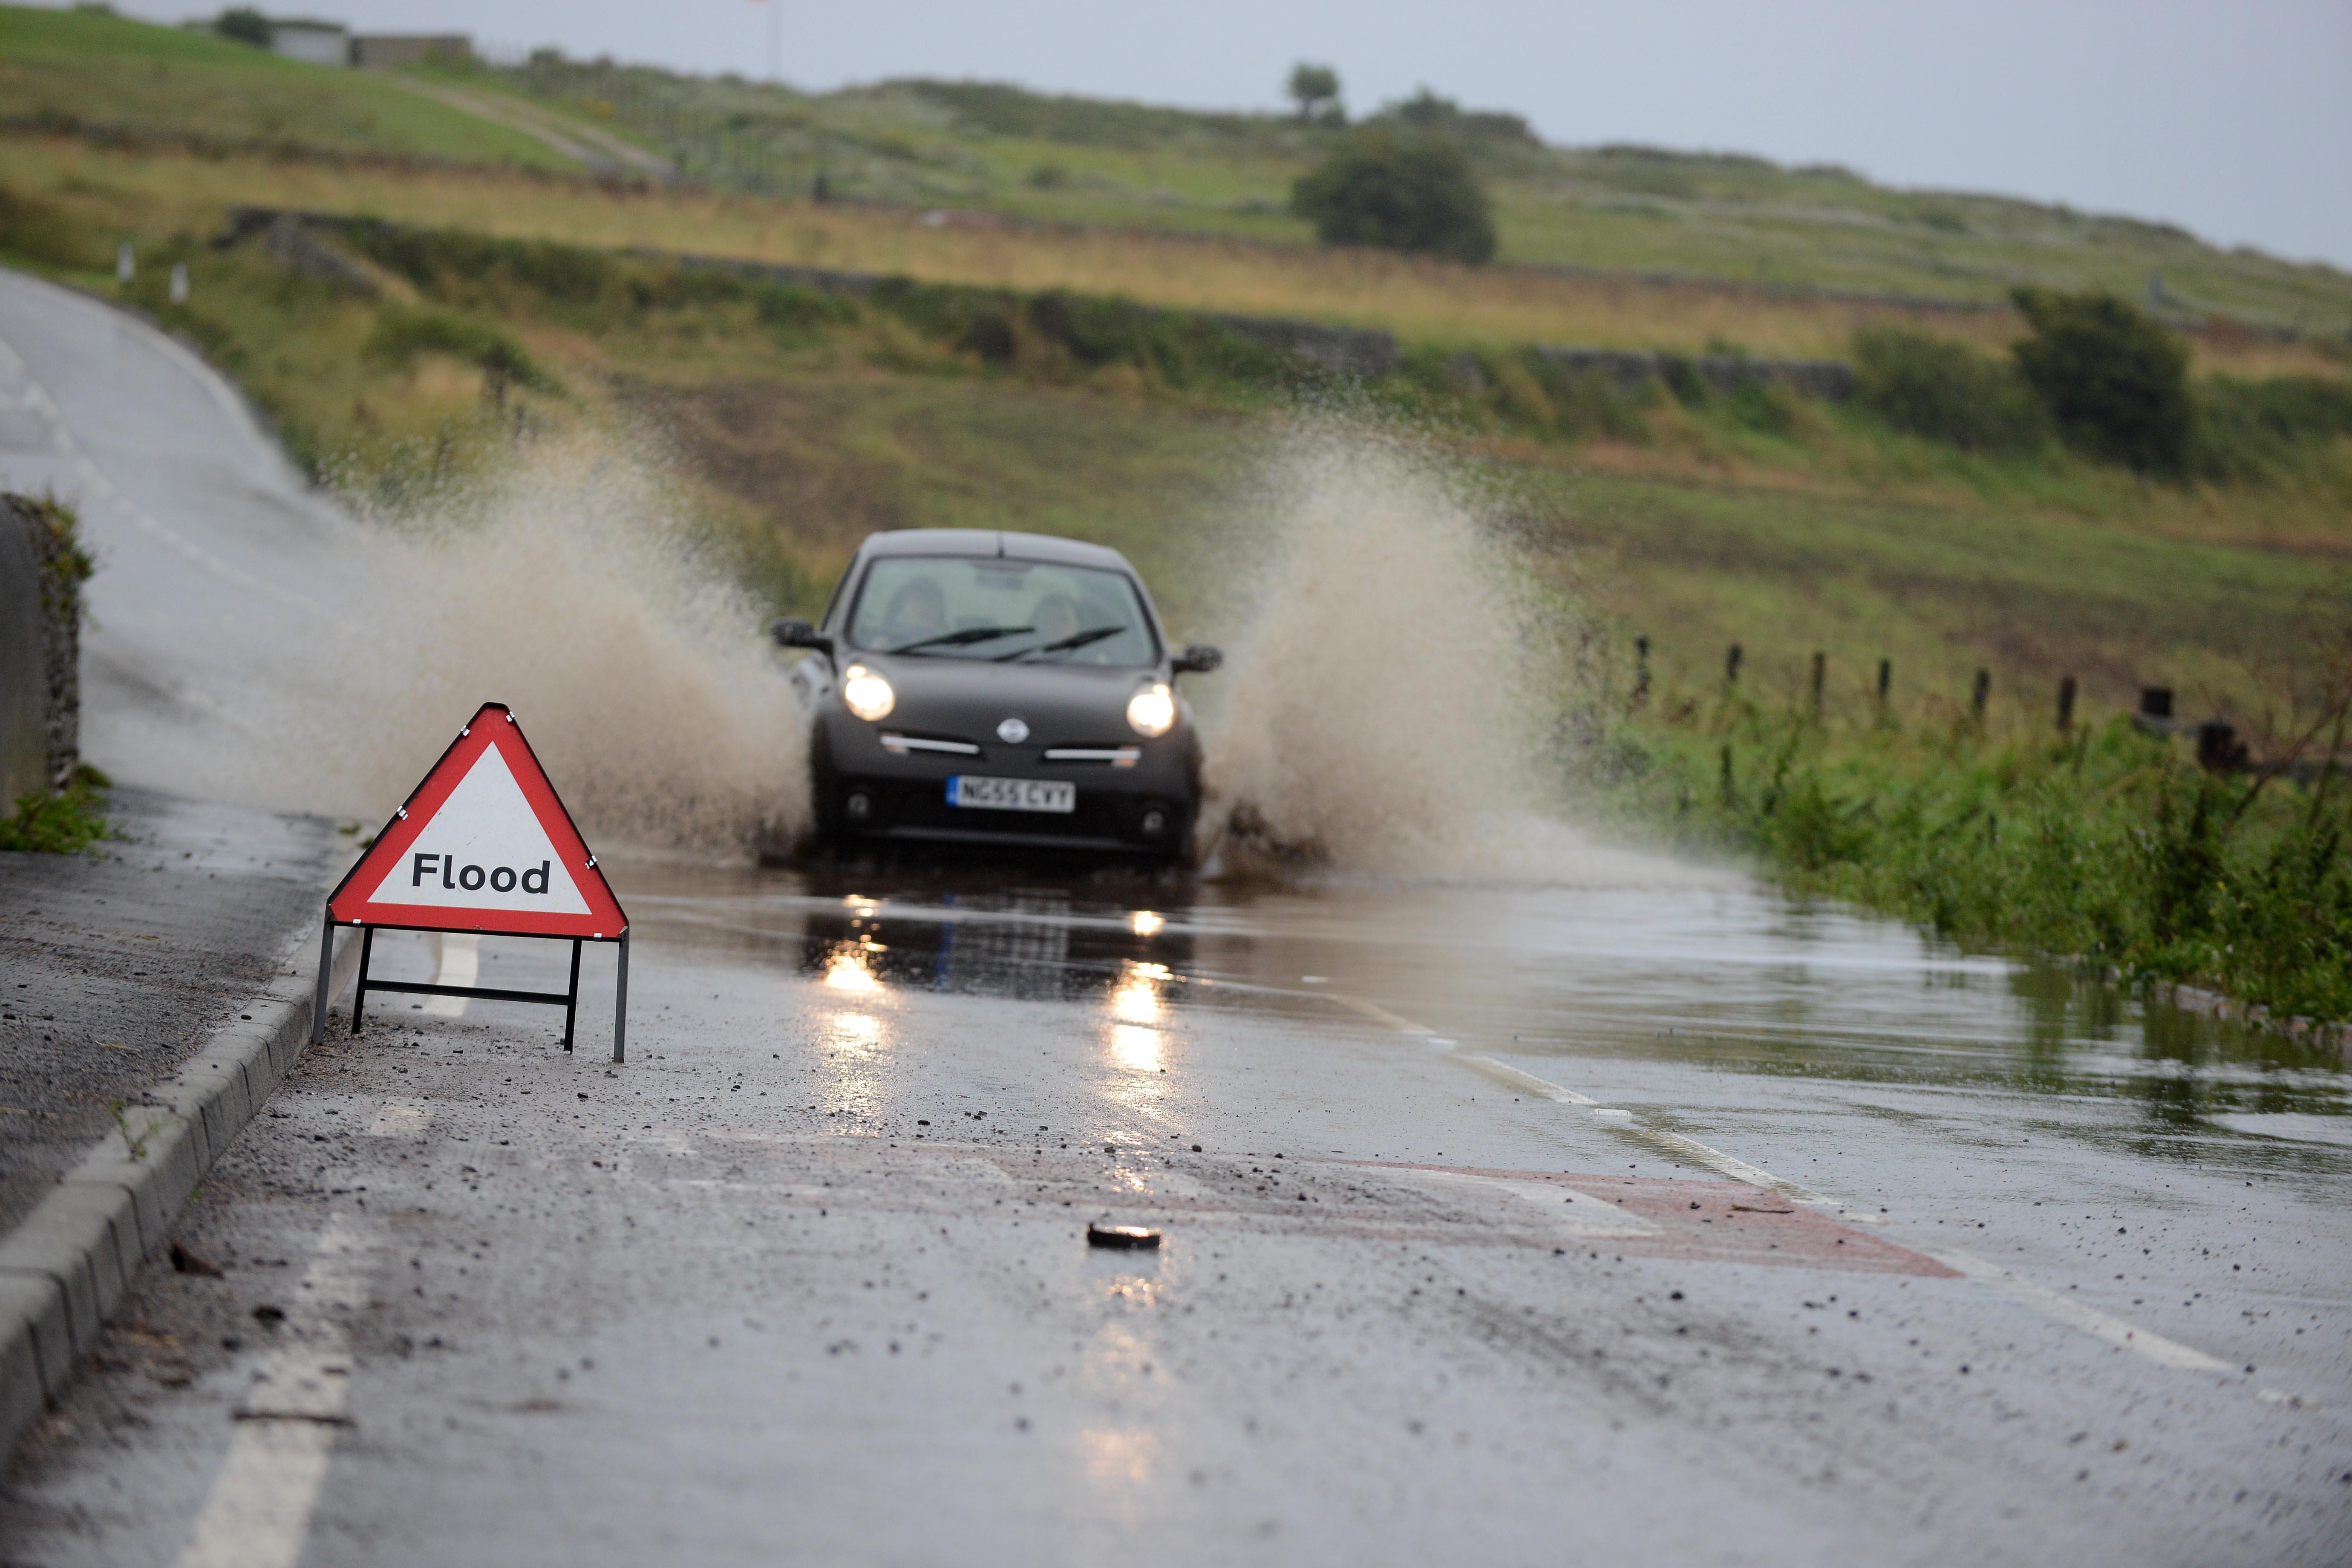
(1012, 795)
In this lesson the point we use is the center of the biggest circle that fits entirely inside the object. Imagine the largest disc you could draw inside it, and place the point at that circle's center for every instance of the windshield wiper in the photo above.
(958, 639)
(1093, 634)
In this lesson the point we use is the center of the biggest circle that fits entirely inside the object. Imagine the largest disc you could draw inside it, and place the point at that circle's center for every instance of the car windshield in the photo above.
(989, 608)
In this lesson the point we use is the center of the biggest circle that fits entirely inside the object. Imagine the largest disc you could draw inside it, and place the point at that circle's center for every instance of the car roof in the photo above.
(992, 542)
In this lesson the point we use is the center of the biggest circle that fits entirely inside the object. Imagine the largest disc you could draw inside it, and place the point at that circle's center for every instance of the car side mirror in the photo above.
(799, 633)
(1197, 659)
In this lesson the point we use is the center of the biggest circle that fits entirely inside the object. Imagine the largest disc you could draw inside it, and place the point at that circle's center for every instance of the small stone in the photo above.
(1130, 1237)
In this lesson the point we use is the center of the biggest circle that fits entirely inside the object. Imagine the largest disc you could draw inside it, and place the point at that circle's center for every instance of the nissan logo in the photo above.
(1012, 731)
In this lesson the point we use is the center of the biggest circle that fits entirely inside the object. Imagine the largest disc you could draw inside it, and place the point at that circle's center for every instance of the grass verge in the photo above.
(2107, 845)
(70, 821)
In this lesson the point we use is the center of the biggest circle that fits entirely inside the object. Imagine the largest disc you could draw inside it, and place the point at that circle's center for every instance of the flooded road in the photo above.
(1675, 1223)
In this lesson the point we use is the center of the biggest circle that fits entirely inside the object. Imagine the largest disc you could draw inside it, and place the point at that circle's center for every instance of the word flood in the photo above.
(501, 879)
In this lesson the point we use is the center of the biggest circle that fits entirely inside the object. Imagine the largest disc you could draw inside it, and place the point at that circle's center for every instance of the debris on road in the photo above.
(1132, 1237)
(186, 1262)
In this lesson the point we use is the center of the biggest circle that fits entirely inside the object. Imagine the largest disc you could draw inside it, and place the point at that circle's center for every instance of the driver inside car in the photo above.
(917, 611)
(1055, 618)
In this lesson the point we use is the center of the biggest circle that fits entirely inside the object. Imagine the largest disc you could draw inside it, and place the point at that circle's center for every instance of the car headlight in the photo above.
(867, 694)
(1152, 711)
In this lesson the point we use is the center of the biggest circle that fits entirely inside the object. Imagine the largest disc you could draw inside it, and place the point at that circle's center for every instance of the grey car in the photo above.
(975, 687)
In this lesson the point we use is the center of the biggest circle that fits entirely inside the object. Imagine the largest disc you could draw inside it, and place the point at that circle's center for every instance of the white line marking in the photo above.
(1688, 1147)
(259, 1515)
(1377, 1014)
(402, 1119)
(457, 961)
(1527, 1083)
(2075, 1314)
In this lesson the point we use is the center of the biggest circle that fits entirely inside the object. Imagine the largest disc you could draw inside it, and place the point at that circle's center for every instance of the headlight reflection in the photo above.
(849, 967)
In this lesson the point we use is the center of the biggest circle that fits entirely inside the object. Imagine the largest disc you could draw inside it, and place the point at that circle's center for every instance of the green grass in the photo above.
(70, 821)
(2106, 846)
(112, 75)
(1724, 217)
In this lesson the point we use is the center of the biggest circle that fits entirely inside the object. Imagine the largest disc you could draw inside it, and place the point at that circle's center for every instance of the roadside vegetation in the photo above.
(2224, 862)
(70, 821)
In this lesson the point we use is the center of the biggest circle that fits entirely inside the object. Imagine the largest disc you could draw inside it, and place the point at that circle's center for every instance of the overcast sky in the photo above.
(2233, 119)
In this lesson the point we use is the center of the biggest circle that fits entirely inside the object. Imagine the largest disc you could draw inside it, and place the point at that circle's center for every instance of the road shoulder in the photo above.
(193, 938)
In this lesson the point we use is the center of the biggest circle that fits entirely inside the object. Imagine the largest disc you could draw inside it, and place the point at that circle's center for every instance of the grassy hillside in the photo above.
(1621, 209)
(980, 147)
(110, 74)
(1421, 300)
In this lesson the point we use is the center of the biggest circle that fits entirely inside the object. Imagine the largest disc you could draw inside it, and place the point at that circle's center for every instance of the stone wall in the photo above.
(41, 574)
(1630, 371)
(1367, 354)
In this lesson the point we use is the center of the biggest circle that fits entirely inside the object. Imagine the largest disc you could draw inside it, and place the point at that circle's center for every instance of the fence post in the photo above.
(1731, 666)
(1820, 674)
(2066, 704)
(1984, 691)
(1641, 671)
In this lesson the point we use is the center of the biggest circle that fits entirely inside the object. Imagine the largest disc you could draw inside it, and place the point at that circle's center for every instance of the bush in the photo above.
(1414, 194)
(402, 335)
(36, 231)
(2255, 429)
(1946, 392)
(243, 25)
(2116, 382)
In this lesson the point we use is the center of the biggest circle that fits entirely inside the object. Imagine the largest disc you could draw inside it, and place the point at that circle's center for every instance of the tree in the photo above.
(1312, 86)
(245, 25)
(1397, 192)
(2116, 382)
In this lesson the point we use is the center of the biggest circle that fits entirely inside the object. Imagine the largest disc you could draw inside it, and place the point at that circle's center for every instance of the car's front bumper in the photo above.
(866, 790)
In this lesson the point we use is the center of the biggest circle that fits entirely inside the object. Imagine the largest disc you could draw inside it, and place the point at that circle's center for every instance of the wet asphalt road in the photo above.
(806, 1279)
(1643, 1221)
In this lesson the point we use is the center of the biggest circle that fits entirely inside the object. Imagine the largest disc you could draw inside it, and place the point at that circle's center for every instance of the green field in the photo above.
(1715, 217)
(110, 74)
(1615, 209)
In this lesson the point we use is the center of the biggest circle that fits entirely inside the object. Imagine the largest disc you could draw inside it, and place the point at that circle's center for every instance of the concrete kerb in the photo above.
(67, 1265)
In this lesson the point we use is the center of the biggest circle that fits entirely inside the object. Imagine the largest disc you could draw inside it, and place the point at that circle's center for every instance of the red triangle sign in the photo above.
(483, 845)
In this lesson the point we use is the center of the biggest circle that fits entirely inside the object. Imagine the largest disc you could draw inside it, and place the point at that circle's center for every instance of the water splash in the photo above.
(569, 586)
(1394, 690)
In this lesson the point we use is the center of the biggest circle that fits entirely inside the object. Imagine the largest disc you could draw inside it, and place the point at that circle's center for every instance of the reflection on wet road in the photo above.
(1731, 980)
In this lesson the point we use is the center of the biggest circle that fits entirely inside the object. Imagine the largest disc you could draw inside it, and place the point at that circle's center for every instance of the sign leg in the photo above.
(326, 962)
(359, 989)
(621, 1003)
(571, 997)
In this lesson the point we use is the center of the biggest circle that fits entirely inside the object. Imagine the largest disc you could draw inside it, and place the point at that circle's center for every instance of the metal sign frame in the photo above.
(568, 998)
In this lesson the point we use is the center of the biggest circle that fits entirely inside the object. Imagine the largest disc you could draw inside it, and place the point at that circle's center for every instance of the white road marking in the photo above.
(2075, 1314)
(457, 962)
(402, 1119)
(1528, 1083)
(37, 397)
(1674, 1142)
(259, 1515)
(2066, 1310)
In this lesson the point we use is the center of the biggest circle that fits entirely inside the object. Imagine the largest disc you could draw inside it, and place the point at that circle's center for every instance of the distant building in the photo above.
(378, 52)
(306, 38)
